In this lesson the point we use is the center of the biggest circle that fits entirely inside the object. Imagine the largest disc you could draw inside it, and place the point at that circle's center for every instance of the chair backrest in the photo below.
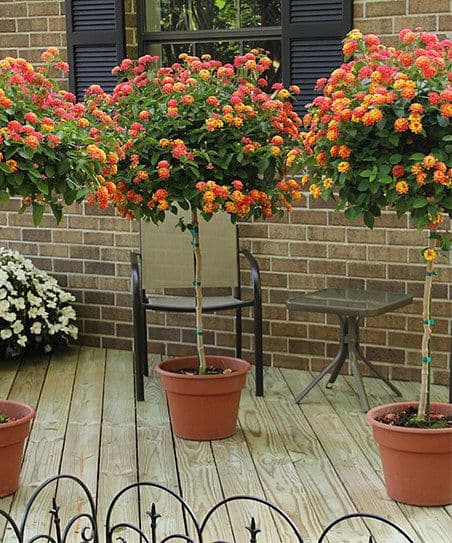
(167, 255)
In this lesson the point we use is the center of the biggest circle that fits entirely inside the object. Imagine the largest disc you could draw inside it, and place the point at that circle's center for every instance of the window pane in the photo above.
(191, 15)
(256, 13)
(224, 51)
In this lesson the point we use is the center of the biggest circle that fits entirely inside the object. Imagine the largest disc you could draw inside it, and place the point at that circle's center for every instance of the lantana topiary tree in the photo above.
(202, 136)
(379, 137)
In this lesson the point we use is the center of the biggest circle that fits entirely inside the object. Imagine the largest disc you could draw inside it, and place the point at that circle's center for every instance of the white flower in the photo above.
(17, 327)
(2, 293)
(19, 303)
(47, 348)
(4, 306)
(33, 312)
(22, 341)
(73, 331)
(10, 317)
(6, 333)
(36, 328)
(34, 300)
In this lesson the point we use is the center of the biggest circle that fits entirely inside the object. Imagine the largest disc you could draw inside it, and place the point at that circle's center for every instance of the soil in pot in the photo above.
(417, 462)
(203, 407)
(12, 437)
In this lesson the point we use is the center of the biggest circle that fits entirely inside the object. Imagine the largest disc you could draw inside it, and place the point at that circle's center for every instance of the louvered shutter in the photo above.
(95, 38)
(312, 33)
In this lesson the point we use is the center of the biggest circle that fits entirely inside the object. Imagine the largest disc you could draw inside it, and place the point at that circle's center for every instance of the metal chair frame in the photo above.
(141, 303)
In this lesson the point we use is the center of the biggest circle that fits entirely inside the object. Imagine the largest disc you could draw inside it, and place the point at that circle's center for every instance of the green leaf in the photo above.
(43, 187)
(57, 212)
(49, 170)
(369, 219)
(4, 197)
(419, 202)
(417, 157)
(365, 173)
(447, 137)
(38, 212)
(4, 167)
(442, 121)
(395, 158)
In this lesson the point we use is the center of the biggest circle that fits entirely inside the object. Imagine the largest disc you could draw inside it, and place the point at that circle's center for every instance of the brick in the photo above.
(420, 21)
(41, 39)
(326, 267)
(445, 22)
(288, 265)
(347, 252)
(83, 281)
(12, 9)
(90, 341)
(87, 311)
(286, 231)
(57, 24)
(15, 40)
(270, 248)
(9, 25)
(344, 282)
(84, 252)
(117, 343)
(53, 249)
(382, 25)
(429, 6)
(358, 12)
(385, 9)
(99, 298)
(301, 346)
(67, 236)
(253, 230)
(387, 254)
(325, 234)
(406, 238)
(70, 266)
(307, 249)
(366, 269)
(305, 216)
(36, 234)
(26, 249)
(364, 235)
(99, 268)
(36, 9)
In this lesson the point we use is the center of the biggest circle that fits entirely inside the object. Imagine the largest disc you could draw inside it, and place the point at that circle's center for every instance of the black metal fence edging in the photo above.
(90, 532)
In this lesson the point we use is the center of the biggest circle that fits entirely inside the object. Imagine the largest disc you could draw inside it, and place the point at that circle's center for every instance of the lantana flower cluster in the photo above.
(50, 153)
(35, 313)
(201, 135)
(380, 133)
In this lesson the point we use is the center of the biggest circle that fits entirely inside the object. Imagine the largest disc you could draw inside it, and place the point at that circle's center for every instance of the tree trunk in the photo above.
(198, 290)
(424, 399)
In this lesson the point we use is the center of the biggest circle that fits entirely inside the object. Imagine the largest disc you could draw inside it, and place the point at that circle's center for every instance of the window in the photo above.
(221, 28)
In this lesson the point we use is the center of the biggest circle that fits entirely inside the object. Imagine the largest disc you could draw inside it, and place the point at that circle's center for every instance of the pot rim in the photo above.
(370, 415)
(31, 413)
(174, 375)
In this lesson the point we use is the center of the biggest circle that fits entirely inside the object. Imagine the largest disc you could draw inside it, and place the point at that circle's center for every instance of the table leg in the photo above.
(338, 360)
(341, 357)
(352, 338)
(376, 371)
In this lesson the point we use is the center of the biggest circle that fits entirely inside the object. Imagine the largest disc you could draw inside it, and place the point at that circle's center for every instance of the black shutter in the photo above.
(312, 33)
(95, 41)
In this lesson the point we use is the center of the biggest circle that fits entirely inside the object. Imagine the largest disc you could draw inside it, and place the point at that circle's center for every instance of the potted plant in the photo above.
(35, 312)
(50, 154)
(204, 137)
(379, 137)
(15, 420)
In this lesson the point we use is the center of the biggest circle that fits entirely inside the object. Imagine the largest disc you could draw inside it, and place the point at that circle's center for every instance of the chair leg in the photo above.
(238, 332)
(258, 348)
(139, 349)
(145, 345)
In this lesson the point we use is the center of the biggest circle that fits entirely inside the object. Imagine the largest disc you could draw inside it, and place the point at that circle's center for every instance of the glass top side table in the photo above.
(350, 305)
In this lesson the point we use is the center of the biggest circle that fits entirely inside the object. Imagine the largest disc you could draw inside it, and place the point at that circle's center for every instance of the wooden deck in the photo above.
(316, 460)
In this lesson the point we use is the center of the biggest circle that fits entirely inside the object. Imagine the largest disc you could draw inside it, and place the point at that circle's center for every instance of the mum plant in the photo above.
(35, 313)
(50, 153)
(202, 136)
(379, 137)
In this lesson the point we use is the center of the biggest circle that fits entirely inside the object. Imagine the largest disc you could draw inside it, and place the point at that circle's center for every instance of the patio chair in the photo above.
(166, 264)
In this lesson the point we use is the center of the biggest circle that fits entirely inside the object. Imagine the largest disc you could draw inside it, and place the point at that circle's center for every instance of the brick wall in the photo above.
(312, 248)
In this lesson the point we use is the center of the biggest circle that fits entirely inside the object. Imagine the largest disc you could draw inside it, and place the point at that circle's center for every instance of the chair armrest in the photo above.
(255, 273)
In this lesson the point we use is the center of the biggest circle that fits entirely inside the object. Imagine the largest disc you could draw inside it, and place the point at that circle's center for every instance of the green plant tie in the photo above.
(196, 283)
(434, 235)
(431, 274)
(426, 359)
(199, 332)
(430, 321)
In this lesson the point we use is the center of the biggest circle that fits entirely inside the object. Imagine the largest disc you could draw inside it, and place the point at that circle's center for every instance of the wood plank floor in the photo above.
(316, 460)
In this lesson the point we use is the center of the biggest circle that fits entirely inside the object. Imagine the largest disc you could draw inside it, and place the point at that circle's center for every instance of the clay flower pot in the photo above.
(203, 407)
(417, 462)
(12, 437)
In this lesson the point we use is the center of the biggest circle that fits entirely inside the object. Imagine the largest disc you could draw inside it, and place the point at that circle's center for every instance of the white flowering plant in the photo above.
(35, 312)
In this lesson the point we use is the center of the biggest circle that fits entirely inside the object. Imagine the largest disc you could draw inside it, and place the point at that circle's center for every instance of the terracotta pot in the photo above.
(12, 437)
(417, 463)
(203, 407)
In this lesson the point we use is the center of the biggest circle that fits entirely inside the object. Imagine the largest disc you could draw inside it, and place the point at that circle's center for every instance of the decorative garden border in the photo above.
(90, 532)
